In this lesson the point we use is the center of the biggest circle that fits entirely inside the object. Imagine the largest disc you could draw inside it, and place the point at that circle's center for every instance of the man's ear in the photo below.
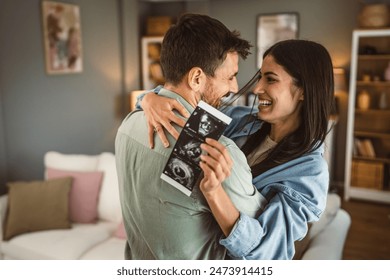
(196, 78)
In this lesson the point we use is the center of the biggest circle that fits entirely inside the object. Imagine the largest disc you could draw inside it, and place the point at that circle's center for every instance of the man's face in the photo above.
(224, 81)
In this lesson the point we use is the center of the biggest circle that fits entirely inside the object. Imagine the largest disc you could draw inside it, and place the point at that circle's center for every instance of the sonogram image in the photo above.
(181, 172)
(191, 150)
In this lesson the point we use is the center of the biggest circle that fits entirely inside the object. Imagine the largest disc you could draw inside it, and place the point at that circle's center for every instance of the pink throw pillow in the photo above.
(120, 231)
(84, 193)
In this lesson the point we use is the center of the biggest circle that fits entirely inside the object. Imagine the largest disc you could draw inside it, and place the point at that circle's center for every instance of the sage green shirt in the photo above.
(160, 221)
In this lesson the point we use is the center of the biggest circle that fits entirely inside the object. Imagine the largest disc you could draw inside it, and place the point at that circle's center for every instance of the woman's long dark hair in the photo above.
(310, 66)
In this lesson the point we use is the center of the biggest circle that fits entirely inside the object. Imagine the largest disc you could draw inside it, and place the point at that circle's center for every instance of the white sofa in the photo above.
(82, 241)
(99, 241)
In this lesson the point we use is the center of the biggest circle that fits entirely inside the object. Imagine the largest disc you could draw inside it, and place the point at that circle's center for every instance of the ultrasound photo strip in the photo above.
(182, 169)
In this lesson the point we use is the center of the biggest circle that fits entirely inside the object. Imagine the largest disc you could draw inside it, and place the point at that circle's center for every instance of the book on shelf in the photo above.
(364, 147)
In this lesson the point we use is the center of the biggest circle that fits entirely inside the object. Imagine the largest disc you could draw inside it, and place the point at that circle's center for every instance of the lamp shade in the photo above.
(340, 83)
(133, 98)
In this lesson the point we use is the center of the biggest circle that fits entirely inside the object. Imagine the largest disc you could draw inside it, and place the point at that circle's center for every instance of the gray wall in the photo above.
(80, 113)
(329, 22)
(73, 113)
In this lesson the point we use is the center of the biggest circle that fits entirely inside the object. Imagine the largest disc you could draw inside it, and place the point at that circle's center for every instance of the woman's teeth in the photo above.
(264, 102)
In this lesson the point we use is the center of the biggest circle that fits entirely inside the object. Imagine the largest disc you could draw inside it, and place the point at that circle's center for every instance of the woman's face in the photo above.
(279, 99)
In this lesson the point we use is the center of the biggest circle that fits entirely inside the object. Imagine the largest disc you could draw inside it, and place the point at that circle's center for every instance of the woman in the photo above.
(283, 143)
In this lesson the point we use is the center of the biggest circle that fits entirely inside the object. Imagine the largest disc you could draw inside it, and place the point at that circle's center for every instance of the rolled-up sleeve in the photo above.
(238, 186)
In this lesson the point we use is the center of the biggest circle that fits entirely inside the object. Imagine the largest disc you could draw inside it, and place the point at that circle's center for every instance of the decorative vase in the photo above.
(364, 100)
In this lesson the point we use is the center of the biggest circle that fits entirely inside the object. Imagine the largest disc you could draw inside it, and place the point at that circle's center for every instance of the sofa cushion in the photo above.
(84, 193)
(65, 244)
(37, 205)
(333, 204)
(110, 249)
(72, 162)
(120, 231)
(109, 207)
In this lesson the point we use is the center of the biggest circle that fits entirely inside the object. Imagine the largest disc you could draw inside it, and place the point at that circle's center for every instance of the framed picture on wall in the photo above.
(62, 37)
(272, 28)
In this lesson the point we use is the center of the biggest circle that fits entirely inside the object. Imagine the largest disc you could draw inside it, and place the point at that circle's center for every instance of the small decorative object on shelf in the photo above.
(368, 50)
(364, 100)
(386, 74)
(374, 16)
(366, 77)
(158, 25)
(383, 103)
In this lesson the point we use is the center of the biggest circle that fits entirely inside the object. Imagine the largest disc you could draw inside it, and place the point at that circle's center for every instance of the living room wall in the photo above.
(71, 113)
(79, 113)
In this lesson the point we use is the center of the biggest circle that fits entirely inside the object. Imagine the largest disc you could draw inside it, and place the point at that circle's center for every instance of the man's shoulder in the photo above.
(134, 125)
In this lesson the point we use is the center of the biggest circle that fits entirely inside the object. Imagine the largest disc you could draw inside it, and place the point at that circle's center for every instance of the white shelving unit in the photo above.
(367, 174)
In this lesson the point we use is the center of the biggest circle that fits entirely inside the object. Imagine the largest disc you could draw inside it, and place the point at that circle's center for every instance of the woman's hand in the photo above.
(216, 165)
(159, 114)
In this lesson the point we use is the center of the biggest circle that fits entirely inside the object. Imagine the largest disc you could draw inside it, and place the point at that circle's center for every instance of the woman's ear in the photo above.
(301, 95)
(196, 78)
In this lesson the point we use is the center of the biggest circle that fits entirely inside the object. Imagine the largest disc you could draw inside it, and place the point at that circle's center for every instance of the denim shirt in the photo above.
(296, 192)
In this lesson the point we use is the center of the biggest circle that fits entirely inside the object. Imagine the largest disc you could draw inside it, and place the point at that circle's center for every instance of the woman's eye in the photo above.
(270, 80)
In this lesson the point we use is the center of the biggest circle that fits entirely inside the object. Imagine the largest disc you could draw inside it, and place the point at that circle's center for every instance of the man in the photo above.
(199, 59)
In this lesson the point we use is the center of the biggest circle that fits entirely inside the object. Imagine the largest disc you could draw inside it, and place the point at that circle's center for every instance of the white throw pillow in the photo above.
(71, 162)
(109, 207)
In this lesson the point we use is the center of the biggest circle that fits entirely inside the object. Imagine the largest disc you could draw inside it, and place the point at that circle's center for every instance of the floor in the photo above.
(369, 234)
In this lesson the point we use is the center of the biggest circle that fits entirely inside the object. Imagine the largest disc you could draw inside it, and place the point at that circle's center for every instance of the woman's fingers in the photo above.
(161, 134)
(151, 135)
(217, 159)
(176, 105)
(220, 169)
(217, 151)
(159, 112)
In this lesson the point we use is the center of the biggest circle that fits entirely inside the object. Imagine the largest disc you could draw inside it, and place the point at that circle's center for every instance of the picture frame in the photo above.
(272, 28)
(152, 75)
(62, 37)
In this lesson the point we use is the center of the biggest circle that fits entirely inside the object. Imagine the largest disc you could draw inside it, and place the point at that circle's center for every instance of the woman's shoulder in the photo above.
(242, 121)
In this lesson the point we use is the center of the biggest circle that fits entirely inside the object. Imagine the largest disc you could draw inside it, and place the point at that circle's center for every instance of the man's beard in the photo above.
(216, 103)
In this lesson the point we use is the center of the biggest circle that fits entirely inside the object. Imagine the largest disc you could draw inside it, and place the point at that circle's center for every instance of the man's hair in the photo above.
(198, 41)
